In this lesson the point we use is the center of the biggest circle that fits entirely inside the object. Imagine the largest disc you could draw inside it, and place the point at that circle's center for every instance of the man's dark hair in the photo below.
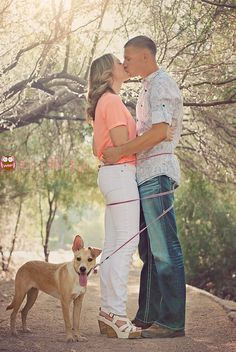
(141, 41)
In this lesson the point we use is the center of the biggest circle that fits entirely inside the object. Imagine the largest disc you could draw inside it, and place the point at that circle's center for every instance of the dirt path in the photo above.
(208, 327)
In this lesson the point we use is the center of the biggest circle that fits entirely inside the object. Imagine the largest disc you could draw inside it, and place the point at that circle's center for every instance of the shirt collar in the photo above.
(150, 77)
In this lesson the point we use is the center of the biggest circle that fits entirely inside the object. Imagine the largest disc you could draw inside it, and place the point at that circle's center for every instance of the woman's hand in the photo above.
(170, 134)
(111, 155)
(119, 135)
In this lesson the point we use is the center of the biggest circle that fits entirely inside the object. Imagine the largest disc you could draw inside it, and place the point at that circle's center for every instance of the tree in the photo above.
(55, 170)
(45, 70)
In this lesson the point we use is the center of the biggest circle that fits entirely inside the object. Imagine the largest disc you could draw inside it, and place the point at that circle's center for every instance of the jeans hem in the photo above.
(144, 322)
(166, 326)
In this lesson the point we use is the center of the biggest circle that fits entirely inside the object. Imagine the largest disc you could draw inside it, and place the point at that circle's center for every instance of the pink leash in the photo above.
(155, 195)
(133, 200)
(131, 238)
(138, 159)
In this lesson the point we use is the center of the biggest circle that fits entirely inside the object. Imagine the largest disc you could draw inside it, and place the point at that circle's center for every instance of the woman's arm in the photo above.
(119, 135)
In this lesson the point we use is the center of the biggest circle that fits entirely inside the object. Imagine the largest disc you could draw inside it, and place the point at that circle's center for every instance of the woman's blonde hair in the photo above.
(99, 81)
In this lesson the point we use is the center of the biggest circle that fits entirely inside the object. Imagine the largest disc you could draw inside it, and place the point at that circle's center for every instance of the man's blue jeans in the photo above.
(162, 293)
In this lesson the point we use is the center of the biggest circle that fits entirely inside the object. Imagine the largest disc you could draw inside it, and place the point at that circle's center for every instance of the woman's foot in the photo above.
(117, 326)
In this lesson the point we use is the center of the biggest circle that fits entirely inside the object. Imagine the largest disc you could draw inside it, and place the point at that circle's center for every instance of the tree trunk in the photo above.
(52, 211)
(3, 261)
(6, 267)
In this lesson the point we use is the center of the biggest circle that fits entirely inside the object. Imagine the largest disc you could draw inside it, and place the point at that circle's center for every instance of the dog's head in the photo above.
(84, 259)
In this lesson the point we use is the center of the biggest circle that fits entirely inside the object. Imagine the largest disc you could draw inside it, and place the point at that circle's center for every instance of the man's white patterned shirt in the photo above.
(159, 101)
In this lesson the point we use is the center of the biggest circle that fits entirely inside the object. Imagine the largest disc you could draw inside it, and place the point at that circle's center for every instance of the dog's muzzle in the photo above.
(82, 269)
(83, 276)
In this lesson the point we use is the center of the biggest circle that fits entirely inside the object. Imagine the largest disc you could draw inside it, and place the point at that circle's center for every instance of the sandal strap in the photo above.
(118, 317)
(126, 327)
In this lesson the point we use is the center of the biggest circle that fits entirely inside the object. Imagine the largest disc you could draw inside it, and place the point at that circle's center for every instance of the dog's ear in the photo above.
(95, 251)
(78, 243)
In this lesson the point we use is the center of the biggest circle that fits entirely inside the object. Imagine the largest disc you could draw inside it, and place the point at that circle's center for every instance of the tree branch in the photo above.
(40, 84)
(220, 83)
(211, 103)
(61, 98)
(6, 7)
(219, 4)
(96, 39)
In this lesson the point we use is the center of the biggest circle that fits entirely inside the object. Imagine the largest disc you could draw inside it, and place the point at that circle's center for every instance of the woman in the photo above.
(113, 125)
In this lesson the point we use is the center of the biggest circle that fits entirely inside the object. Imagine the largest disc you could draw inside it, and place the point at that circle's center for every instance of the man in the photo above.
(162, 293)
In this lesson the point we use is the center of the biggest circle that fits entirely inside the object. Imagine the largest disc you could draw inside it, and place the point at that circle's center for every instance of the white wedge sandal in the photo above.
(125, 331)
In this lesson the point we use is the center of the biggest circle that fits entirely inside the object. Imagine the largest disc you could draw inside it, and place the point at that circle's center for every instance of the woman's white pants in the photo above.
(118, 183)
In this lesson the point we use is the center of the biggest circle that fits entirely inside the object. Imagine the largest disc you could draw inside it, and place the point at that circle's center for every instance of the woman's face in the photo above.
(118, 72)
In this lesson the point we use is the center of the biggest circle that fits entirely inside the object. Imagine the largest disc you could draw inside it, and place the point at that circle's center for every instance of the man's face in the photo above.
(134, 61)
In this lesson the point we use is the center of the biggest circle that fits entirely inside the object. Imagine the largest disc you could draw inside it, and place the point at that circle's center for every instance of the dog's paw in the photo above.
(26, 330)
(70, 338)
(14, 333)
(80, 338)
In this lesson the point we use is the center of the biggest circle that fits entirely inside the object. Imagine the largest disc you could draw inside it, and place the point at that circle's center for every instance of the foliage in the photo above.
(55, 172)
(207, 222)
(45, 68)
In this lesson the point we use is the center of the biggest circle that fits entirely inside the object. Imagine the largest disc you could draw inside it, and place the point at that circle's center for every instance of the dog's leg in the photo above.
(65, 303)
(76, 318)
(32, 295)
(18, 299)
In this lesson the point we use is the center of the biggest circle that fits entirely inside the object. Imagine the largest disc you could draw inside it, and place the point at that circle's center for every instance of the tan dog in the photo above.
(66, 281)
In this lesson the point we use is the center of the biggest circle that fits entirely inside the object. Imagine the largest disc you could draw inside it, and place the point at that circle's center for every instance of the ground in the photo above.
(208, 327)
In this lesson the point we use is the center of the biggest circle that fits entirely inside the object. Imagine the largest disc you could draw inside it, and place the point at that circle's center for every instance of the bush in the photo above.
(206, 217)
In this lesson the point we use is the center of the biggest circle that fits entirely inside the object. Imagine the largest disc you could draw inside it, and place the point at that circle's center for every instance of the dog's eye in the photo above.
(79, 259)
(90, 259)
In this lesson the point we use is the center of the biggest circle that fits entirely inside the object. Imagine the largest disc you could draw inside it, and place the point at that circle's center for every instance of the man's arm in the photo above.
(149, 139)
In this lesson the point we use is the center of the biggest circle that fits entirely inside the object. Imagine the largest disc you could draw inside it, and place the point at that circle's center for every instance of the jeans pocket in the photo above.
(150, 187)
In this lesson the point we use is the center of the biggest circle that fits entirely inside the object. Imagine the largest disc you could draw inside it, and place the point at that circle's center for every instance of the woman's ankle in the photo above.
(109, 316)
(104, 312)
